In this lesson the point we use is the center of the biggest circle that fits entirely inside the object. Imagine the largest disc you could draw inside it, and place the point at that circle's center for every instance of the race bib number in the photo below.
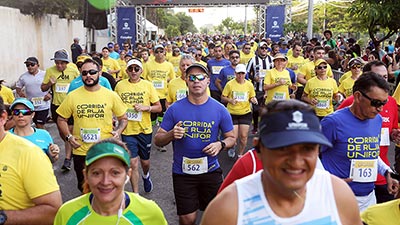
(385, 138)
(323, 104)
(158, 84)
(90, 135)
(37, 101)
(279, 96)
(262, 73)
(62, 88)
(216, 69)
(364, 170)
(134, 115)
(180, 94)
(195, 166)
(240, 96)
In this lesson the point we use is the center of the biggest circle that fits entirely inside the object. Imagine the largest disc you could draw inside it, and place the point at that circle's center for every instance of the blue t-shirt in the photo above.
(40, 137)
(114, 55)
(227, 74)
(215, 67)
(351, 139)
(77, 83)
(202, 124)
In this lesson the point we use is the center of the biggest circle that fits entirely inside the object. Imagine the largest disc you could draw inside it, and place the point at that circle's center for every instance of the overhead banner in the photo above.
(275, 18)
(126, 24)
(196, 2)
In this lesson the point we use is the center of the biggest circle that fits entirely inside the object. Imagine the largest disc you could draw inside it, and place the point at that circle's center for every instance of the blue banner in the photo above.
(126, 25)
(275, 18)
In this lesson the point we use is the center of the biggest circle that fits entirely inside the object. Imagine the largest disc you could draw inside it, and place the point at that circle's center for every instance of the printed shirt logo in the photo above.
(297, 117)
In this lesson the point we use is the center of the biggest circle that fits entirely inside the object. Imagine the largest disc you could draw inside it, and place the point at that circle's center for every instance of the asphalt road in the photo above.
(161, 167)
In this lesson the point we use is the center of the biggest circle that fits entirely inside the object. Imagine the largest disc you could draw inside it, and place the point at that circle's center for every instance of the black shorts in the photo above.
(193, 192)
(41, 116)
(54, 114)
(242, 119)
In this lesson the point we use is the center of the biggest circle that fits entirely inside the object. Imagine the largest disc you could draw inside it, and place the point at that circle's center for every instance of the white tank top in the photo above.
(319, 208)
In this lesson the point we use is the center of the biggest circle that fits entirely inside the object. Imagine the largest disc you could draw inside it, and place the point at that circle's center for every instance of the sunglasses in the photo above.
(247, 48)
(30, 64)
(199, 77)
(198, 55)
(24, 112)
(234, 57)
(263, 48)
(91, 72)
(133, 68)
(159, 51)
(322, 67)
(374, 102)
(356, 67)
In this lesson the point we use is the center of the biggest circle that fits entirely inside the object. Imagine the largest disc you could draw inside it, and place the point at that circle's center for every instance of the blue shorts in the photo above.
(138, 145)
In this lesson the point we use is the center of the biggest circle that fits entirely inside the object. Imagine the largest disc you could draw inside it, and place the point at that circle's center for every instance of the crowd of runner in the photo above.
(322, 112)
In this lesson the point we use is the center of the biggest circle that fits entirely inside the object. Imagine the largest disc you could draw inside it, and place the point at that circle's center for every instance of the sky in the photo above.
(215, 15)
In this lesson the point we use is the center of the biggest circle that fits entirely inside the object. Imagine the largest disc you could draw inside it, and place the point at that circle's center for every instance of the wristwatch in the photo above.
(68, 137)
(3, 217)
(222, 145)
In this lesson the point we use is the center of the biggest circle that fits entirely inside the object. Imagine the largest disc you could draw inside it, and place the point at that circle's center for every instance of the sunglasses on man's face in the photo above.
(24, 112)
(30, 64)
(159, 51)
(374, 102)
(91, 72)
(133, 68)
(199, 77)
(356, 67)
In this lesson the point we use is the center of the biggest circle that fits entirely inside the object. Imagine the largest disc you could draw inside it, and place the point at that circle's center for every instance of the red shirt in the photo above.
(389, 119)
(248, 164)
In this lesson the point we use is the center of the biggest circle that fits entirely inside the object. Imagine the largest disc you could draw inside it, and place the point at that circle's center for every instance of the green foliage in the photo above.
(172, 31)
(70, 9)
(377, 16)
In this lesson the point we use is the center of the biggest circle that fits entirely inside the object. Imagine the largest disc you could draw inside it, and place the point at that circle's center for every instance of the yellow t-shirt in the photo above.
(242, 94)
(308, 70)
(281, 92)
(92, 113)
(344, 76)
(387, 213)
(159, 74)
(201, 62)
(346, 86)
(168, 55)
(63, 79)
(177, 90)
(292, 61)
(110, 64)
(7, 95)
(323, 91)
(174, 60)
(26, 173)
(122, 73)
(142, 93)
(245, 58)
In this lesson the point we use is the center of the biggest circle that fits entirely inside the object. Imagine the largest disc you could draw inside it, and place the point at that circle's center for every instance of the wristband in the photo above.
(149, 109)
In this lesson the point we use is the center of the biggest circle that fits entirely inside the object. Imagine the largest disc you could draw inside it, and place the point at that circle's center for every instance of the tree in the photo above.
(377, 16)
(186, 23)
(70, 9)
(172, 31)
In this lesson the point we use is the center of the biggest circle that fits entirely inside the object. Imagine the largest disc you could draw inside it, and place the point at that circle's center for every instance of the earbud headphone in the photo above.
(127, 179)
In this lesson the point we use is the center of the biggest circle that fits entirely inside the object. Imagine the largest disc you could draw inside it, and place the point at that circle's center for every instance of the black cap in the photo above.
(32, 60)
(196, 65)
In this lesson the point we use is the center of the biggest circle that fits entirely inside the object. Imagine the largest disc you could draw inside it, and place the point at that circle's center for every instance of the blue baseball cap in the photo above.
(285, 128)
(24, 102)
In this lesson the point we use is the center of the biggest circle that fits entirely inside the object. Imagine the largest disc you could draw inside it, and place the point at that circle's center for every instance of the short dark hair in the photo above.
(368, 66)
(231, 52)
(105, 48)
(98, 60)
(316, 48)
(368, 80)
(93, 61)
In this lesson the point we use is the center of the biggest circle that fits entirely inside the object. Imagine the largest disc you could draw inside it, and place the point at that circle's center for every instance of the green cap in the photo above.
(104, 149)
